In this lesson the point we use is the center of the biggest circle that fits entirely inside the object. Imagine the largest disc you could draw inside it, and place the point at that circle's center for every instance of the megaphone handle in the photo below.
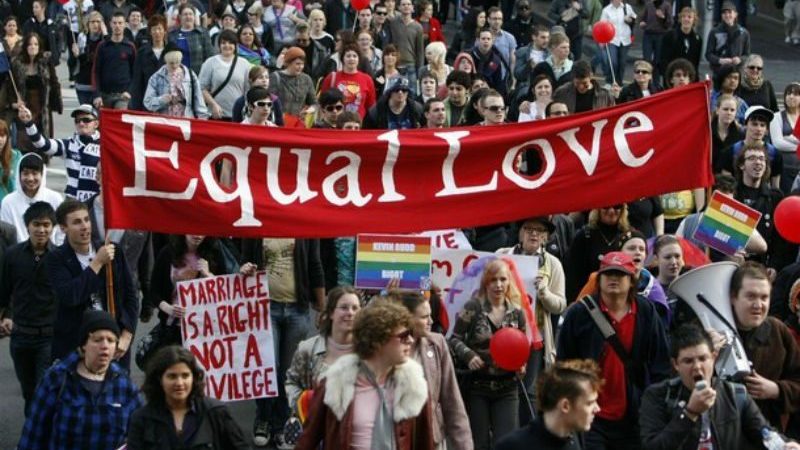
(711, 308)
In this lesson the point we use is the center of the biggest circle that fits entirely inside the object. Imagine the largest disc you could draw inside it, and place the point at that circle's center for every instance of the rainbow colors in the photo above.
(383, 257)
(727, 224)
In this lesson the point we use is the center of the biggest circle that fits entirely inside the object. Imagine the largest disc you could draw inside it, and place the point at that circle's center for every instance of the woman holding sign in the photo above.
(177, 414)
(493, 402)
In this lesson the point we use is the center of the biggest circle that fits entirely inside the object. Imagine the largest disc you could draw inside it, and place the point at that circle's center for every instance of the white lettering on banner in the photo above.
(588, 159)
(343, 186)
(302, 192)
(621, 142)
(448, 177)
(510, 172)
(140, 155)
(387, 174)
(447, 264)
(227, 327)
(242, 190)
(350, 173)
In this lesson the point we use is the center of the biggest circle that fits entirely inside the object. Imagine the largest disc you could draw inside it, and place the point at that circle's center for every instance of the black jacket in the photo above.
(663, 425)
(74, 288)
(151, 428)
(145, 65)
(377, 117)
(308, 273)
(633, 92)
(535, 436)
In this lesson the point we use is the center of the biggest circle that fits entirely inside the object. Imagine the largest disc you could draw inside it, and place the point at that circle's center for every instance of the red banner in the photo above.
(159, 172)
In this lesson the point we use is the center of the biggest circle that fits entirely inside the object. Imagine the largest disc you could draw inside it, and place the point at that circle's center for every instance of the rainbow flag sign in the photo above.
(726, 224)
(382, 257)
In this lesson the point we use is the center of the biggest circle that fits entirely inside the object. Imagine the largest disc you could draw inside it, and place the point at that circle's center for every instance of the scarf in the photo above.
(383, 428)
(755, 84)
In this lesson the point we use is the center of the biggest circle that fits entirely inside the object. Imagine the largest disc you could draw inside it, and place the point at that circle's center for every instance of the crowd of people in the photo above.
(623, 362)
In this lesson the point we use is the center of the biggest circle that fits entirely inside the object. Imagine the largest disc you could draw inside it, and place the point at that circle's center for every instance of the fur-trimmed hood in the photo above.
(410, 387)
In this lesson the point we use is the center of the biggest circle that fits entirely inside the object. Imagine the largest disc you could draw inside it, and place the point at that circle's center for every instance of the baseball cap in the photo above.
(760, 112)
(84, 109)
(728, 6)
(619, 262)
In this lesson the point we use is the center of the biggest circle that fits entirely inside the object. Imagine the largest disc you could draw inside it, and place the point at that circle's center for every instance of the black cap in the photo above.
(94, 320)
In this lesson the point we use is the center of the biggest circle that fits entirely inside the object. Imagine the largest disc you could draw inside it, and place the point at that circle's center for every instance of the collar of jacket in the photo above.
(410, 387)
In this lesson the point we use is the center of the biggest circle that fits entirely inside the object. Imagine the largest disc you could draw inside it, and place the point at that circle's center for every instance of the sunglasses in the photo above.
(755, 68)
(84, 120)
(405, 336)
(496, 108)
(263, 104)
(380, 13)
(641, 72)
(332, 108)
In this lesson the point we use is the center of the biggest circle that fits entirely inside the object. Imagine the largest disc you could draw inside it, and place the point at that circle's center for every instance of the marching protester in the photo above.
(177, 413)
(27, 300)
(32, 176)
(86, 399)
(258, 110)
(174, 90)
(352, 406)
(113, 67)
(450, 423)
(697, 409)
(567, 405)
(622, 331)
(82, 148)
(78, 272)
(492, 401)
(149, 58)
(224, 77)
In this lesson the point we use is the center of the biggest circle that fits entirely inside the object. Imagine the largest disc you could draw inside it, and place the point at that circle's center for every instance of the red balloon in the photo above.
(358, 5)
(509, 348)
(63, 2)
(787, 218)
(603, 32)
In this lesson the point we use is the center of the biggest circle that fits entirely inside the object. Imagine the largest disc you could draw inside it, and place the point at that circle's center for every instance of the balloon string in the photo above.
(610, 65)
(527, 397)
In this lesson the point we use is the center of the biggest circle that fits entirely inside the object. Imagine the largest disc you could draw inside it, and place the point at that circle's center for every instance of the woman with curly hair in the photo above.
(465, 39)
(178, 414)
(376, 398)
(492, 401)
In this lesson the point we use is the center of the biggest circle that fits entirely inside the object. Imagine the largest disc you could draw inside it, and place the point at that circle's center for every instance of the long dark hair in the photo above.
(256, 41)
(23, 55)
(208, 250)
(5, 152)
(331, 302)
(163, 359)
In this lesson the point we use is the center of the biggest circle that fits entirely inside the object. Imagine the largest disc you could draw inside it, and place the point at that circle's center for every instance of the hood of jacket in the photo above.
(410, 387)
(19, 176)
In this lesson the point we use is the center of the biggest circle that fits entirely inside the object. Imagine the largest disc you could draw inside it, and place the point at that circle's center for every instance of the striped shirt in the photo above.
(81, 157)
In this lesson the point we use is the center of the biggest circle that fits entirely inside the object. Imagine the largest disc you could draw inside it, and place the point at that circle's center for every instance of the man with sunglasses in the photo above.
(82, 149)
(493, 108)
(331, 105)
(380, 29)
(521, 26)
(259, 107)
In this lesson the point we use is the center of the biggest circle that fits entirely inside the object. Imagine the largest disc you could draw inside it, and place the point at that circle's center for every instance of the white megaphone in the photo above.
(707, 291)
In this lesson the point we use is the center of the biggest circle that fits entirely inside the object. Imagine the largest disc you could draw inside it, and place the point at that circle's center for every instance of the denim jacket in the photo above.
(158, 86)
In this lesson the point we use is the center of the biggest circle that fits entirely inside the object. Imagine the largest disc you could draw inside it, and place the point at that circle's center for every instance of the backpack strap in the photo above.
(609, 334)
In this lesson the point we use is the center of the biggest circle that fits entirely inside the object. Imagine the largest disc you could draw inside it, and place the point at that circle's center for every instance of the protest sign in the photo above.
(726, 224)
(383, 257)
(452, 239)
(447, 265)
(330, 183)
(227, 326)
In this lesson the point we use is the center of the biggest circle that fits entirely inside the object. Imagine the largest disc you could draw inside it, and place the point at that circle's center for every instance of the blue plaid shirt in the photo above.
(64, 414)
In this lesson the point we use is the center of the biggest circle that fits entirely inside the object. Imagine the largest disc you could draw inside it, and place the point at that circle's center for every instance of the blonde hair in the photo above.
(622, 224)
(173, 56)
(513, 294)
(256, 9)
(317, 13)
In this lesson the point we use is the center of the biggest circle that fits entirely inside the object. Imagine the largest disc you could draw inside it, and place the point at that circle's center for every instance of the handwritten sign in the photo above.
(382, 257)
(447, 265)
(227, 326)
(726, 224)
(452, 238)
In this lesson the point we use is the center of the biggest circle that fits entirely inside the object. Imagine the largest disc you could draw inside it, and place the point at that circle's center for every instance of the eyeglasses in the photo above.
(754, 158)
(380, 13)
(263, 104)
(84, 120)
(532, 230)
(332, 108)
(405, 336)
(641, 72)
(755, 68)
(496, 108)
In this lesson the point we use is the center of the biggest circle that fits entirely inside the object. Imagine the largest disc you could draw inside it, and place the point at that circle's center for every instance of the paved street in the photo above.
(767, 30)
